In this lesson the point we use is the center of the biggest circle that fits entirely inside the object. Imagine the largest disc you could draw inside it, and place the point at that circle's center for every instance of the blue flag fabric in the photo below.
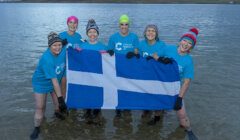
(96, 80)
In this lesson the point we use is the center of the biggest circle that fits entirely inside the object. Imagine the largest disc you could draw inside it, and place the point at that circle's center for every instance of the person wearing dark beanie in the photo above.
(46, 80)
(92, 43)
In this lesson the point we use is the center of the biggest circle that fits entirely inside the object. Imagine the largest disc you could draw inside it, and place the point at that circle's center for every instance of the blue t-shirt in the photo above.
(74, 40)
(185, 62)
(97, 47)
(49, 67)
(123, 44)
(146, 49)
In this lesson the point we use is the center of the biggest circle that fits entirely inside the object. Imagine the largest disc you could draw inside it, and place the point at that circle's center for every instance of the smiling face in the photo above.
(185, 46)
(151, 34)
(56, 48)
(92, 35)
(124, 28)
(72, 25)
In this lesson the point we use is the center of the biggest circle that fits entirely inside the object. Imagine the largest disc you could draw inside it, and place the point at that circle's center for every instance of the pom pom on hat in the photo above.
(92, 25)
(191, 35)
(195, 30)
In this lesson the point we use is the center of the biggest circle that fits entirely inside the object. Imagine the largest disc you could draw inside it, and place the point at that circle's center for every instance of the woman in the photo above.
(92, 43)
(71, 36)
(122, 42)
(151, 48)
(70, 39)
(46, 80)
(151, 45)
(181, 54)
(92, 32)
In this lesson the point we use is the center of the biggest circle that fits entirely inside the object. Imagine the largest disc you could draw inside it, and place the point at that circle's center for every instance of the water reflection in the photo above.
(77, 127)
(214, 91)
(123, 126)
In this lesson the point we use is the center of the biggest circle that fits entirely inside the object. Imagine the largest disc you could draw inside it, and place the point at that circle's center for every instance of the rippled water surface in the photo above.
(213, 100)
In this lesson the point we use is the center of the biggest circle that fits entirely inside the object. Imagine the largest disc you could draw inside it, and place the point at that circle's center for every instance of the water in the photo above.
(213, 98)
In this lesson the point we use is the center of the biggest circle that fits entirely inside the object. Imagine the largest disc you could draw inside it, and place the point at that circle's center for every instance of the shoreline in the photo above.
(128, 1)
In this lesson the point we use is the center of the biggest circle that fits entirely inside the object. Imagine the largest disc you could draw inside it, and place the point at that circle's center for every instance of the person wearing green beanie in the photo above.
(123, 41)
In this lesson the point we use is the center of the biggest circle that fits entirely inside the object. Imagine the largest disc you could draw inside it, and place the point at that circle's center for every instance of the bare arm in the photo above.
(155, 56)
(136, 51)
(62, 104)
(184, 87)
(56, 87)
(63, 86)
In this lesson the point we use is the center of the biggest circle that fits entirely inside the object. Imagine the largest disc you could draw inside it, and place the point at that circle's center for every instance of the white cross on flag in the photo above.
(96, 80)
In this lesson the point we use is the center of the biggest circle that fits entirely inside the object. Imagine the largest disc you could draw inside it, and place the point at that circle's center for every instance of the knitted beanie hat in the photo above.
(52, 38)
(92, 25)
(155, 28)
(124, 19)
(191, 35)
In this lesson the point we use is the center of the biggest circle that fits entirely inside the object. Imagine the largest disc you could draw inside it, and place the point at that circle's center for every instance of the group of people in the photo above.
(50, 74)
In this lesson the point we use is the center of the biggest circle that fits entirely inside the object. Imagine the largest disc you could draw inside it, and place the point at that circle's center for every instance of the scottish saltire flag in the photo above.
(97, 80)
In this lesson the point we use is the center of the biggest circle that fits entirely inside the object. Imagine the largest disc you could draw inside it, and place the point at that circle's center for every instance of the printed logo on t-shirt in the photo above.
(180, 68)
(73, 45)
(145, 54)
(76, 46)
(127, 46)
(120, 46)
(60, 68)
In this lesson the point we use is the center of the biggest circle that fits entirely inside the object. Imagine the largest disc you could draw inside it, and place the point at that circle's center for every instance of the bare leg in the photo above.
(183, 118)
(40, 100)
(185, 123)
(55, 101)
(63, 86)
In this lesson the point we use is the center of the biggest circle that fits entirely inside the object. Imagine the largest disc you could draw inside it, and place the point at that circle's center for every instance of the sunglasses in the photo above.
(122, 24)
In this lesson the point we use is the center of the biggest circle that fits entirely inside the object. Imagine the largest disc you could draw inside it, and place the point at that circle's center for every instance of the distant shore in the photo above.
(129, 1)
